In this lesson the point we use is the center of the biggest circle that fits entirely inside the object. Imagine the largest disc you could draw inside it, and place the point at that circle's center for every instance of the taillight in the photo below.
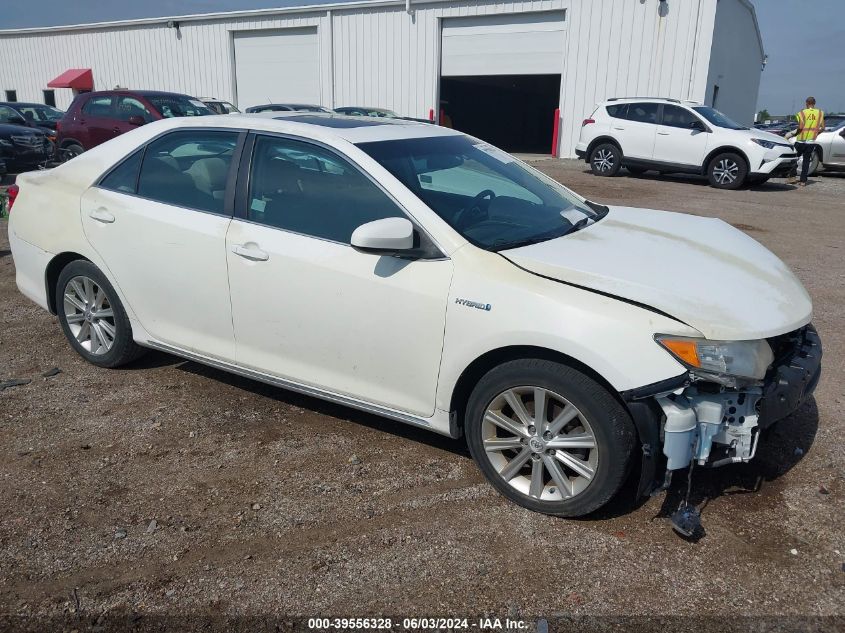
(58, 126)
(12, 193)
(587, 122)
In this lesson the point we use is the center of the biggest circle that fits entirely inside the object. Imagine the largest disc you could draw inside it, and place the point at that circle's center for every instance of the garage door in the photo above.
(515, 44)
(277, 67)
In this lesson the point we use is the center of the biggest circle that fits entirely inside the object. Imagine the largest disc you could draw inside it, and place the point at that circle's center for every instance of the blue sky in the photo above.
(805, 39)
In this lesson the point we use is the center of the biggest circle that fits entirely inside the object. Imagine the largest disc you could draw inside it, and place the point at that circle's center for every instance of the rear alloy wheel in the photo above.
(606, 159)
(92, 317)
(727, 171)
(548, 437)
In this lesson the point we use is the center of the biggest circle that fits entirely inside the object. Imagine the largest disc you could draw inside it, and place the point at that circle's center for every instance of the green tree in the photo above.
(763, 115)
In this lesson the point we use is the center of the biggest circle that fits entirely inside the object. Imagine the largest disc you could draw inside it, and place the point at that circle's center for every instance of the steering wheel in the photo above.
(476, 210)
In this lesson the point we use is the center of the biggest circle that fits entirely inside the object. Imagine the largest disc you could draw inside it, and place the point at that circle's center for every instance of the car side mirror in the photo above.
(698, 126)
(387, 236)
(135, 120)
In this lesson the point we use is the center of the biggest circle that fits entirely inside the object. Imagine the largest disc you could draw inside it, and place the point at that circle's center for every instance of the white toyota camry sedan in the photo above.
(423, 275)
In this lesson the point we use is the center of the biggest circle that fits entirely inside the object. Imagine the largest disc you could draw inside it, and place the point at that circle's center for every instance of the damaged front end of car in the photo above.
(712, 415)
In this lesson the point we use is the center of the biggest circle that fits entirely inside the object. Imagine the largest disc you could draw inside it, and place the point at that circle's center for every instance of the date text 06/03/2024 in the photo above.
(418, 624)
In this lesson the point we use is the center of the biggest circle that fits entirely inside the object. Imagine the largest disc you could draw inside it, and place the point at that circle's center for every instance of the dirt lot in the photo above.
(167, 494)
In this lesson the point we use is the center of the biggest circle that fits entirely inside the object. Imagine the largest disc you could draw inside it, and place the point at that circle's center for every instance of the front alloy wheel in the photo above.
(727, 171)
(549, 437)
(540, 443)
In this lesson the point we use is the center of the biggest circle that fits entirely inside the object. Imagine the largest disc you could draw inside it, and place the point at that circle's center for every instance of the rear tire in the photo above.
(70, 151)
(582, 461)
(727, 171)
(606, 159)
(92, 317)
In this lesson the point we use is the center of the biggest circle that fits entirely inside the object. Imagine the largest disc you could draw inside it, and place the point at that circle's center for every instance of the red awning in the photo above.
(76, 78)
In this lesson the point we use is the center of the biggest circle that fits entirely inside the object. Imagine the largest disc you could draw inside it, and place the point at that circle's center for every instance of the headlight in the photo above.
(741, 359)
(764, 143)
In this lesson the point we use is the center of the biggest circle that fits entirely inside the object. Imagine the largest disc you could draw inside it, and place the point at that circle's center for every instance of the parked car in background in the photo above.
(34, 115)
(420, 274)
(286, 107)
(31, 114)
(781, 128)
(833, 122)
(96, 117)
(365, 111)
(829, 149)
(380, 113)
(668, 136)
(219, 106)
(23, 148)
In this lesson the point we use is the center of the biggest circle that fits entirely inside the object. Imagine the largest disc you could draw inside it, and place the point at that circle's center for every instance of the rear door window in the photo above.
(188, 169)
(124, 177)
(98, 107)
(642, 112)
(130, 106)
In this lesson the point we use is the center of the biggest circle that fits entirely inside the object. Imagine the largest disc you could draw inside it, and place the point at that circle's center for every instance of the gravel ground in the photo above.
(168, 495)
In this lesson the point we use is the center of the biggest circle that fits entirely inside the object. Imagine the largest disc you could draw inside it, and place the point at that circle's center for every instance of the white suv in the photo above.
(669, 136)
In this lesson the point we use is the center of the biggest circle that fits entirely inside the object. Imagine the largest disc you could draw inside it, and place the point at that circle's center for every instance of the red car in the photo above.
(96, 117)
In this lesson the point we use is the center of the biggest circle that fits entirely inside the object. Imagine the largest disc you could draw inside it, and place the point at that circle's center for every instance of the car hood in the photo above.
(7, 129)
(701, 271)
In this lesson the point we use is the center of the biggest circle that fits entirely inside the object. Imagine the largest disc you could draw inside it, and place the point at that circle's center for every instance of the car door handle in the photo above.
(255, 254)
(663, 133)
(102, 215)
(618, 128)
(116, 130)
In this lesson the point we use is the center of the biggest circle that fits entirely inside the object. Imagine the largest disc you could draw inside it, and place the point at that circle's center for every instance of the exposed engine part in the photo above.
(695, 421)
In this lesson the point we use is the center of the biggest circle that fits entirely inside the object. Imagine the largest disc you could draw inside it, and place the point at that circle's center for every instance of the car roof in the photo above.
(317, 125)
(143, 93)
(287, 105)
(24, 104)
(364, 108)
(651, 99)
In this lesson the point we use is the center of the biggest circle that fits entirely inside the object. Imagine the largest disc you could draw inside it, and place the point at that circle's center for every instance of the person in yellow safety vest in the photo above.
(810, 124)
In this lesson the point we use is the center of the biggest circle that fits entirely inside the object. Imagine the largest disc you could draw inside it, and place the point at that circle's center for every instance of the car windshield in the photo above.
(41, 113)
(176, 105)
(485, 194)
(717, 118)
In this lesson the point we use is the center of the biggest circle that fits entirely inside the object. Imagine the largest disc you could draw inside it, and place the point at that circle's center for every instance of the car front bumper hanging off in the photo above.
(722, 427)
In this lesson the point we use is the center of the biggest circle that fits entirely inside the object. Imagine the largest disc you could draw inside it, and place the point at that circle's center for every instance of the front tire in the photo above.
(606, 159)
(548, 437)
(92, 317)
(727, 171)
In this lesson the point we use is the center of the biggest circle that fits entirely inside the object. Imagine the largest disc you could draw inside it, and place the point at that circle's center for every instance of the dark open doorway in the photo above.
(514, 112)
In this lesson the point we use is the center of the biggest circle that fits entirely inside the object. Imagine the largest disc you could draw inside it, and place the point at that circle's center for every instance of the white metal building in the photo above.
(498, 68)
